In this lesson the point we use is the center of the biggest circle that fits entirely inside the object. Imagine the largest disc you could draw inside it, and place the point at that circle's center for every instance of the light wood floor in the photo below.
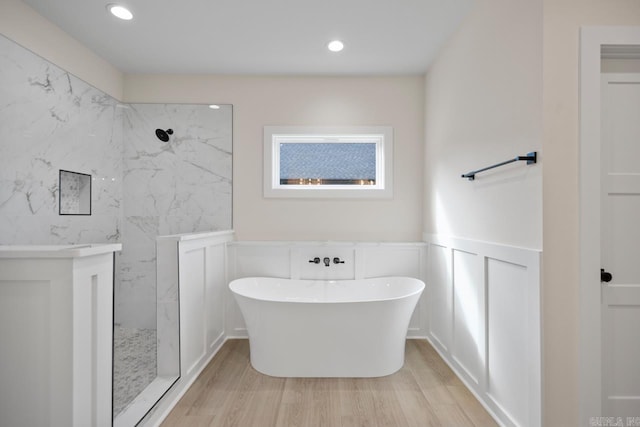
(425, 392)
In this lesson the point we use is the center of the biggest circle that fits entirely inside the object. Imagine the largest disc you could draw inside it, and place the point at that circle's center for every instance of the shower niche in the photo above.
(74, 194)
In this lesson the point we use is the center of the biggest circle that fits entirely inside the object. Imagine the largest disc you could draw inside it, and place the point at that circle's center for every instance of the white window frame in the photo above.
(382, 136)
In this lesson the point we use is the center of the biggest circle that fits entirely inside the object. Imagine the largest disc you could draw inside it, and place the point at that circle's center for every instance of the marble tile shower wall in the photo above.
(51, 120)
(179, 186)
(142, 187)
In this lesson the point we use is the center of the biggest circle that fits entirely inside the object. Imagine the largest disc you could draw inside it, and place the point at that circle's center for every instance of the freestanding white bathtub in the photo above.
(327, 328)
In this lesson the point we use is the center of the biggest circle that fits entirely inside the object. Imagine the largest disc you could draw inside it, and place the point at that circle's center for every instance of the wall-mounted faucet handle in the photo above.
(316, 260)
(336, 260)
(326, 261)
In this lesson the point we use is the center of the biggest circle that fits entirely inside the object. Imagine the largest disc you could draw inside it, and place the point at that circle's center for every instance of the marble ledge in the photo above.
(332, 243)
(197, 235)
(58, 251)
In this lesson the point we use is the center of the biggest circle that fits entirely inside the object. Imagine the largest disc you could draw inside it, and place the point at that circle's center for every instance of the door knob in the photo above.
(605, 276)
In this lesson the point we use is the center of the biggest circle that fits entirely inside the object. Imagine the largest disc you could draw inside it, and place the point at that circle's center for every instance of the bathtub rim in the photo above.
(326, 281)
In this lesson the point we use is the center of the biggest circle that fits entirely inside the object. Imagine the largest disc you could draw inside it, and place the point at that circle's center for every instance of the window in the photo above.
(336, 162)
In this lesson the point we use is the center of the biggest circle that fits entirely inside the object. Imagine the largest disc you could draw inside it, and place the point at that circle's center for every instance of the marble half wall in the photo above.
(182, 185)
(51, 120)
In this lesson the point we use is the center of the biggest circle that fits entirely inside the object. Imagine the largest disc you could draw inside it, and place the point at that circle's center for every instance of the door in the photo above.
(620, 245)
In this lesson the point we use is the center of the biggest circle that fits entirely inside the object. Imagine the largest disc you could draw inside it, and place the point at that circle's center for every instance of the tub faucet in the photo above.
(326, 261)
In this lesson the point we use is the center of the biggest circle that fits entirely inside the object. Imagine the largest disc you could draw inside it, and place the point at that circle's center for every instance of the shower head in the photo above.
(163, 135)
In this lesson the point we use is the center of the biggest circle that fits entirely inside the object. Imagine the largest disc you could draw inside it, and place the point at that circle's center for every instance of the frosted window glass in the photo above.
(335, 163)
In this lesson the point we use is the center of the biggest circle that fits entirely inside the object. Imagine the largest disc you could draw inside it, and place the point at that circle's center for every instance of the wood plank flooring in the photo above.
(425, 392)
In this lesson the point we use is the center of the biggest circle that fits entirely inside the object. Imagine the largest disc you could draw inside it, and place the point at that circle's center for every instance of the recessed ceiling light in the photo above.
(335, 46)
(214, 107)
(120, 12)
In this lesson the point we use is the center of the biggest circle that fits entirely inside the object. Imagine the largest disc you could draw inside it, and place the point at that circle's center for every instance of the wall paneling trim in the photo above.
(484, 320)
(201, 273)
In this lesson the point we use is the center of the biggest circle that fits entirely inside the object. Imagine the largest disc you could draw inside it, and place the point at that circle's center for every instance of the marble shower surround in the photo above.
(51, 120)
(179, 186)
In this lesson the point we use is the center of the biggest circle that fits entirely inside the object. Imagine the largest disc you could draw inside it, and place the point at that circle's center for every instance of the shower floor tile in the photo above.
(134, 364)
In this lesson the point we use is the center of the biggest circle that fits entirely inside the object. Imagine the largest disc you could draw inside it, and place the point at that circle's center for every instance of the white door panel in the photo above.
(620, 234)
(622, 349)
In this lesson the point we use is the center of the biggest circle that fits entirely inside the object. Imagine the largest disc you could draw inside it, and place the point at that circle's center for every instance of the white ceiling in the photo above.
(267, 37)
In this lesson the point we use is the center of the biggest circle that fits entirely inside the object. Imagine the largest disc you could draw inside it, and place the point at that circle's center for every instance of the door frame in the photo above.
(590, 361)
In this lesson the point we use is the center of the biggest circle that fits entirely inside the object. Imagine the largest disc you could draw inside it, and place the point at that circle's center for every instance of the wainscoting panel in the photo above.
(200, 261)
(387, 260)
(256, 260)
(398, 260)
(56, 325)
(467, 348)
(27, 303)
(439, 296)
(507, 337)
(216, 284)
(484, 305)
(260, 259)
(291, 260)
(202, 289)
(192, 310)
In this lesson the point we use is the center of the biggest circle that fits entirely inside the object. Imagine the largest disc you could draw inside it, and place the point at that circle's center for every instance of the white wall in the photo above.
(321, 101)
(484, 105)
(562, 21)
(20, 23)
